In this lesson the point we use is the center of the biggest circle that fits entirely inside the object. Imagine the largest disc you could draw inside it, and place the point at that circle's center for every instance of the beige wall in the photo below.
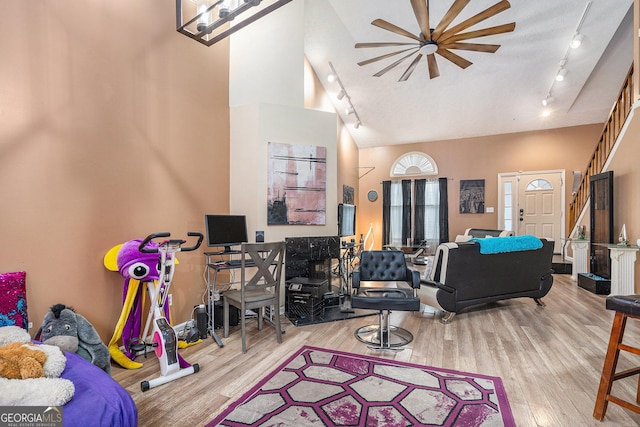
(112, 126)
(480, 158)
(626, 182)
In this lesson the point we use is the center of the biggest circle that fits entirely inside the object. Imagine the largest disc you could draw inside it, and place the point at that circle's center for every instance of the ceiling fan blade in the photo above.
(410, 69)
(389, 67)
(448, 17)
(434, 71)
(485, 14)
(476, 47)
(394, 29)
(388, 55)
(456, 59)
(421, 11)
(505, 28)
(384, 44)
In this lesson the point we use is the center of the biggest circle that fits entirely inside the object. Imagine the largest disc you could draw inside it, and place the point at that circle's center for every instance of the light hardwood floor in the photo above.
(549, 359)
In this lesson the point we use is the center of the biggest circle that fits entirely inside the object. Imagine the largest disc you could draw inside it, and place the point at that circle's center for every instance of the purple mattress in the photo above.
(98, 400)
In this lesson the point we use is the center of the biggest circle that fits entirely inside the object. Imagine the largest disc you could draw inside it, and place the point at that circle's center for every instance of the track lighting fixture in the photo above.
(342, 94)
(331, 78)
(575, 42)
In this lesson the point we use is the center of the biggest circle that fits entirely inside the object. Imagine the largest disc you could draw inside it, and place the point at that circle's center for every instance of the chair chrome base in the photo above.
(383, 336)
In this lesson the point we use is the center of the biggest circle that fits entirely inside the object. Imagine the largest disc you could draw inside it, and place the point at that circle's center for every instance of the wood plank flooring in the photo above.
(549, 358)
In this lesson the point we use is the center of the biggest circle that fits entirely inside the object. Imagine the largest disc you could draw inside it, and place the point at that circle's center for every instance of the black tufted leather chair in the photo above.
(383, 282)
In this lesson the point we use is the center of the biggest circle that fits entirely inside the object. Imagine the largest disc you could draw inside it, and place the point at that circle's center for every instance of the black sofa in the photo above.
(462, 277)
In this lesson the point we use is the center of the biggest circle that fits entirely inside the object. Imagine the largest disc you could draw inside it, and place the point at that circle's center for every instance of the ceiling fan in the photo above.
(441, 39)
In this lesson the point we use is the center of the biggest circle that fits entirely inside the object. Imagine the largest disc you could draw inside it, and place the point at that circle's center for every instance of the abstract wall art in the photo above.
(297, 176)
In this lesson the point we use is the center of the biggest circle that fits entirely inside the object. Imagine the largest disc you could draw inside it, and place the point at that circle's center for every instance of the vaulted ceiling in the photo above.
(500, 92)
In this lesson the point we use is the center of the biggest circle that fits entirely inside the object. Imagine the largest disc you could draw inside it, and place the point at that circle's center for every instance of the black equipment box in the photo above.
(595, 284)
(315, 287)
(302, 305)
(218, 315)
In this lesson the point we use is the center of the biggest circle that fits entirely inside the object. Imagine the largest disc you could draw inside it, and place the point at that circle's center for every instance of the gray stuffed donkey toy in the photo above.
(70, 331)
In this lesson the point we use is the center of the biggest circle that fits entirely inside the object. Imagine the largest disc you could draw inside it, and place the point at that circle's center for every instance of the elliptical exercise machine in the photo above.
(164, 340)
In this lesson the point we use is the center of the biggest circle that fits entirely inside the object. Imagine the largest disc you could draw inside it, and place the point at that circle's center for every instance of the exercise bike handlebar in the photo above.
(145, 250)
(198, 243)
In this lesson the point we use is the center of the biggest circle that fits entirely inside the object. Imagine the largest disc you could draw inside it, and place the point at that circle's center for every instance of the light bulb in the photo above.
(331, 78)
(561, 74)
(204, 20)
(225, 8)
(548, 100)
(576, 41)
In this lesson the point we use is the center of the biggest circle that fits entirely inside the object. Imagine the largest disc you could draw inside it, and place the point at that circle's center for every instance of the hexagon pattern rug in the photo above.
(320, 387)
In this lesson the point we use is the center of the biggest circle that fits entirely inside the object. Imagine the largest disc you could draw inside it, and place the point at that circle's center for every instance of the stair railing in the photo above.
(612, 127)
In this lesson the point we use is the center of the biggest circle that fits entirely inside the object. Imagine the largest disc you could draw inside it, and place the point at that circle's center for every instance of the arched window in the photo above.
(413, 164)
(539, 184)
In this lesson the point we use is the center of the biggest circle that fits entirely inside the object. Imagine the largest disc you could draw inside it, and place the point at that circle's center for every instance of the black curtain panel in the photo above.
(406, 210)
(444, 211)
(386, 211)
(418, 211)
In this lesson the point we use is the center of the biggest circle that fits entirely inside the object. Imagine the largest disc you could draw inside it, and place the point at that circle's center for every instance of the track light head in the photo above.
(349, 110)
(548, 100)
(561, 74)
(340, 94)
(331, 78)
(357, 124)
(576, 41)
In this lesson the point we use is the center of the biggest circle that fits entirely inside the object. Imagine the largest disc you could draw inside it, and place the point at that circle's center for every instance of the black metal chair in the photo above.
(383, 282)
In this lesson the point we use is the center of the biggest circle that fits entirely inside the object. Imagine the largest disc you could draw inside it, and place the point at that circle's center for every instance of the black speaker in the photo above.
(218, 315)
(202, 319)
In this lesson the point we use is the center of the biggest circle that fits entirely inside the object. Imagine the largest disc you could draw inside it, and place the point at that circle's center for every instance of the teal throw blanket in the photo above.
(495, 245)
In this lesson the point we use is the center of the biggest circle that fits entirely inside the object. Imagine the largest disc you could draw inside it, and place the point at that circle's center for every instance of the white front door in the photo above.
(532, 203)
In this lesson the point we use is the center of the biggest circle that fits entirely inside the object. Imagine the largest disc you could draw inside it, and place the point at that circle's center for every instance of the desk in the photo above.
(215, 289)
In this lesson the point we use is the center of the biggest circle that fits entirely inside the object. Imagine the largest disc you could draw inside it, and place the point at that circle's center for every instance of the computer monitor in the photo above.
(346, 220)
(226, 230)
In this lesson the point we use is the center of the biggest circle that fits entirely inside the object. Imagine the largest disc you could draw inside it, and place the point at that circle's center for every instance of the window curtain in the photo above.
(443, 221)
(406, 212)
(419, 211)
(386, 212)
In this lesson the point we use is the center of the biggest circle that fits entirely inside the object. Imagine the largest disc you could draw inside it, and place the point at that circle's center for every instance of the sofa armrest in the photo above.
(438, 285)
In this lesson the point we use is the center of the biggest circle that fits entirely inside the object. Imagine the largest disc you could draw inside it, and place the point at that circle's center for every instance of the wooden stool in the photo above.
(625, 307)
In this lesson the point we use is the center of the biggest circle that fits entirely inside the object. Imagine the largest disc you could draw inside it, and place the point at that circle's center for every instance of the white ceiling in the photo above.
(500, 93)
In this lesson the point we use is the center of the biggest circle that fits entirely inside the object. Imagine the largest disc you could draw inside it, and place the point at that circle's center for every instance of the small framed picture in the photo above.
(259, 236)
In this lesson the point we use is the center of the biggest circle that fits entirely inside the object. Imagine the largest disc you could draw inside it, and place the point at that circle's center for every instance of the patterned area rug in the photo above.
(319, 387)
